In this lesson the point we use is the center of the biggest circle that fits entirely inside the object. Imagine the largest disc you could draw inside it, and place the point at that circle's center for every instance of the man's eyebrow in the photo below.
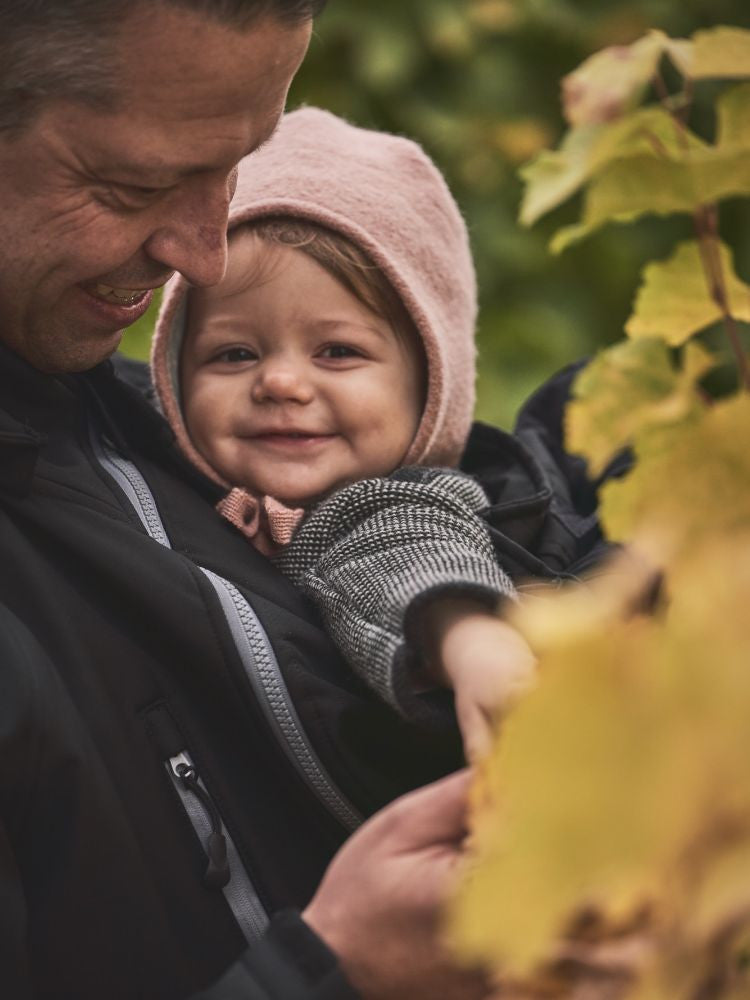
(165, 173)
(159, 173)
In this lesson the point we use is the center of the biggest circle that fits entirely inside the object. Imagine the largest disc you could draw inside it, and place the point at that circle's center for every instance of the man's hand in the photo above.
(379, 905)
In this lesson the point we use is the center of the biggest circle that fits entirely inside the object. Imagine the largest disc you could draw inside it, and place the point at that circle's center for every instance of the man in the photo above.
(181, 753)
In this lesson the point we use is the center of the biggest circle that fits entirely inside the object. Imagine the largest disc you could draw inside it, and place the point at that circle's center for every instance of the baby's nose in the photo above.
(283, 380)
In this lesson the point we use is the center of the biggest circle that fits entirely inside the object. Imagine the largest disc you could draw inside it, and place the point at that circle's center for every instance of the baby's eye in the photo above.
(236, 355)
(339, 351)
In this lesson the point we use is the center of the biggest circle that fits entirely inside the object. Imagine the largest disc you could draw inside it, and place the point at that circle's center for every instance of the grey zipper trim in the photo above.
(255, 651)
(262, 669)
(133, 485)
(239, 893)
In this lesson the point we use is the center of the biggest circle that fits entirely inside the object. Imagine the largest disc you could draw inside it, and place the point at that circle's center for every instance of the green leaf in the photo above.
(707, 467)
(587, 151)
(625, 388)
(553, 176)
(721, 52)
(611, 82)
(674, 300)
(733, 117)
(645, 185)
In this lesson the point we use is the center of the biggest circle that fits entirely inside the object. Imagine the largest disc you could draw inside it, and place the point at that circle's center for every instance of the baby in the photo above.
(327, 383)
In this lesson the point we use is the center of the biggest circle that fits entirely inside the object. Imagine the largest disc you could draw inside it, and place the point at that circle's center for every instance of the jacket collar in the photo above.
(25, 395)
(35, 407)
(28, 397)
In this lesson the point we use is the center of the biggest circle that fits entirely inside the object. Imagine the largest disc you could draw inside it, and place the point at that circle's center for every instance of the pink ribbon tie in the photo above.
(265, 522)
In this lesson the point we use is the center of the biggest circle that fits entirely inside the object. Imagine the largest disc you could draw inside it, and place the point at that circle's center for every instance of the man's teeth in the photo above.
(122, 296)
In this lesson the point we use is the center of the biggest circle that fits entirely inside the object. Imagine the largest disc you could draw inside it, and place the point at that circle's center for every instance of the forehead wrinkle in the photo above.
(218, 93)
(156, 162)
(196, 42)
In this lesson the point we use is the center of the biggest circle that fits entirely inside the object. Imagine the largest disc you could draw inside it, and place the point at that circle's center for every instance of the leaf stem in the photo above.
(707, 229)
(680, 120)
(658, 146)
(686, 102)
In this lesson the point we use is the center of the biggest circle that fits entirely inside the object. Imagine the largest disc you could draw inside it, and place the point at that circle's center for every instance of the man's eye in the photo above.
(135, 195)
(146, 192)
(236, 355)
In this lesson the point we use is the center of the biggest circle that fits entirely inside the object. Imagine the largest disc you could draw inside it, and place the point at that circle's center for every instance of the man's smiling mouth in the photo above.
(120, 296)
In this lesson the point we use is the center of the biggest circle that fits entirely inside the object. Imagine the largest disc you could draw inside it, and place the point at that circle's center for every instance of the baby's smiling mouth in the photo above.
(291, 436)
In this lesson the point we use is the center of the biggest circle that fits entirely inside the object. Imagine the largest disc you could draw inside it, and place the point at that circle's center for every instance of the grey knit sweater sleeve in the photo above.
(377, 550)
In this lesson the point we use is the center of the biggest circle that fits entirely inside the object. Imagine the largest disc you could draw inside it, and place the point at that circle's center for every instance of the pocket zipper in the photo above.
(224, 869)
(217, 872)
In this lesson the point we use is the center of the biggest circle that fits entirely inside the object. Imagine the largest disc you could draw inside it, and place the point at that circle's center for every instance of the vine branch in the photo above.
(707, 229)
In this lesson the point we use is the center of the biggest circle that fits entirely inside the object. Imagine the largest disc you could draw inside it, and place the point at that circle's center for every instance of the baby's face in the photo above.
(291, 387)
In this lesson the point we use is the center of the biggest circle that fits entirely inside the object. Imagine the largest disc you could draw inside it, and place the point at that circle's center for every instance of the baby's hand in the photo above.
(488, 664)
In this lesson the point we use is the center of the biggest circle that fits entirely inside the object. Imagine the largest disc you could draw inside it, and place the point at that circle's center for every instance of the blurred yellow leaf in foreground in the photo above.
(623, 781)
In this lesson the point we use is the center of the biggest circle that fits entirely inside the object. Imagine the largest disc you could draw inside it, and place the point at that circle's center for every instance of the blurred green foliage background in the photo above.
(477, 83)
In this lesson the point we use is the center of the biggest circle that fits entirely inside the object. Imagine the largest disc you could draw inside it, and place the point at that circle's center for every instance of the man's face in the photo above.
(97, 210)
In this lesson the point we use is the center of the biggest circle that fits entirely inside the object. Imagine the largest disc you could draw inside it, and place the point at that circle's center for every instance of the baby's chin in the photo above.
(290, 497)
(298, 496)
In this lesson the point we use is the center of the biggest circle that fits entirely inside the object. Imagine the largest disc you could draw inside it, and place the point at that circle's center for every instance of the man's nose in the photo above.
(282, 380)
(193, 236)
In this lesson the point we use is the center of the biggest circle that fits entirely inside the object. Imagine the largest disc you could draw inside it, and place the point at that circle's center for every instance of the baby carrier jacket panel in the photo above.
(135, 633)
(543, 513)
(369, 751)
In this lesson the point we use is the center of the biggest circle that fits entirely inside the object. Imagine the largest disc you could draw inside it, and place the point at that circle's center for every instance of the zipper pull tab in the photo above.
(217, 873)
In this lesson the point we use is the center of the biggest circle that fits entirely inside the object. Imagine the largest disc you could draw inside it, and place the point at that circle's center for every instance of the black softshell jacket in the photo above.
(181, 749)
(543, 513)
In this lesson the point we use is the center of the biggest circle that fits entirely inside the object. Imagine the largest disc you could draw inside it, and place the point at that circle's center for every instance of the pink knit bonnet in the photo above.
(385, 195)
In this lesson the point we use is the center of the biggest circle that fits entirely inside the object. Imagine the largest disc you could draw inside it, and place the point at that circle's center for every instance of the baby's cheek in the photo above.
(201, 420)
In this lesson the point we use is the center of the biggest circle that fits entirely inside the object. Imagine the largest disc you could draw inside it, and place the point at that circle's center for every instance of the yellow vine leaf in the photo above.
(705, 932)
(553, 619)
(626, 387)
(733, 117)
(674, 302)
(564, 760)
(633, 752)
(646, 185)
(690, 477)
(612, 82)
(585, 151)
(721, 52)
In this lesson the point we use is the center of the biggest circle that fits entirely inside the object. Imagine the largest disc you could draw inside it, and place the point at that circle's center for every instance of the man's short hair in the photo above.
(61, 48)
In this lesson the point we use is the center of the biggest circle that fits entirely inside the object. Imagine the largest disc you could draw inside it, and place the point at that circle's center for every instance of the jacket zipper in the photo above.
(217, 873)
(262, 670)
(133, 486)
(252, 644)
(224, 870)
